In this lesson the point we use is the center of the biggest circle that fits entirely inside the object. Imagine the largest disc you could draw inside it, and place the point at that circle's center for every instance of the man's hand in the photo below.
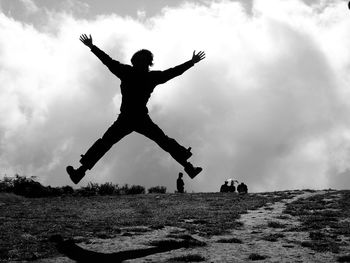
(198, 57)
(86, 40)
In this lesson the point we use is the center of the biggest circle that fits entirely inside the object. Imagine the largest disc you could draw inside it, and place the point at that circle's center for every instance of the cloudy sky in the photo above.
(270, 104)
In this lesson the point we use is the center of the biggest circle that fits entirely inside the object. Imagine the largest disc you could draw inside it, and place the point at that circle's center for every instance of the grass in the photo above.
(188, 258)
(345, 258)
(230, 240)
(275, 224)
(255, 256)
(325, 218)
(273, 237)
(28, 223)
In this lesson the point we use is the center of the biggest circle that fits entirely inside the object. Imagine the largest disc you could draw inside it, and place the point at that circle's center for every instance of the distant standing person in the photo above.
(242, 188)
(239, 188)
(245, 188)
(224, 188)
(232, 187)
(180, 184)
(137, 85)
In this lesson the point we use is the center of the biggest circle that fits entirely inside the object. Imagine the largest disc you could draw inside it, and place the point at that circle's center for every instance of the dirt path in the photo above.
(265, 233)
(265, 236)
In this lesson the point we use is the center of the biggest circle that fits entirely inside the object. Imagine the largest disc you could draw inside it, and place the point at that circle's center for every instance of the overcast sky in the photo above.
(270, 104)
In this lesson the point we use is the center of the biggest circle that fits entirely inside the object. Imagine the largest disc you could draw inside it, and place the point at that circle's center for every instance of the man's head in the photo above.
(142, 59)
(180, 175)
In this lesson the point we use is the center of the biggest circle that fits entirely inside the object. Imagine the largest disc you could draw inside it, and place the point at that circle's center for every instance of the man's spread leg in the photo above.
(148, 128)
(117, 131)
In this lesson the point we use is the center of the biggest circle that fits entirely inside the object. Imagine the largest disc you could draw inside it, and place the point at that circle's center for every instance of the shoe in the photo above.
(75, 174)
(192, 171)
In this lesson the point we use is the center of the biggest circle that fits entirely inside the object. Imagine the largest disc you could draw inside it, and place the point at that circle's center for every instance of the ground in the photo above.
(285, 226)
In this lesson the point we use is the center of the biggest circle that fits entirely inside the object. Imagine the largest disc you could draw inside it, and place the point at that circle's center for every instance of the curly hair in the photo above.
(142, 57)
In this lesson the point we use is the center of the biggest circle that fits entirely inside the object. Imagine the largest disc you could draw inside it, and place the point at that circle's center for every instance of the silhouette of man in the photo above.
(137, 84)
(239, 188)
(180, 184)
(224, 188)
(232, 187)
(245, 188)
(242, 188)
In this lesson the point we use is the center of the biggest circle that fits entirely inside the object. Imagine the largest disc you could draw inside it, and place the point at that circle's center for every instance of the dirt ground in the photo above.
(266, 234)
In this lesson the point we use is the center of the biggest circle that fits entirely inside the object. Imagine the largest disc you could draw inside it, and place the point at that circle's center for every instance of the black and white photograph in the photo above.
(174, 131)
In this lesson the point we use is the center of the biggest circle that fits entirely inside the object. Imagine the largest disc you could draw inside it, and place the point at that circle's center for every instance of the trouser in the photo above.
(125, 125)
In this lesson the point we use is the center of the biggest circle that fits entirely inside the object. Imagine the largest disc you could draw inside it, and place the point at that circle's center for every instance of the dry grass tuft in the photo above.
(188, 258)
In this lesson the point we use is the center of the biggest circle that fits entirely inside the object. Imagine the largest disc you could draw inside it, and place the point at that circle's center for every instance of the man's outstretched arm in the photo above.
(168, 74)
(113, 65)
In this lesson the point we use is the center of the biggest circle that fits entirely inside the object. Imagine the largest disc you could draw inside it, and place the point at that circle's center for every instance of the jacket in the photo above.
(137, 86)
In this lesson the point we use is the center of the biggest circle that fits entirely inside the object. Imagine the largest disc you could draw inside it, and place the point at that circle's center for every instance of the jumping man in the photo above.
(137, 84)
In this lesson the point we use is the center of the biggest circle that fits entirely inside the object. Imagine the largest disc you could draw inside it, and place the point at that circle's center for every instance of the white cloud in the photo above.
(30, 6)
(268, 106)
(76, 6)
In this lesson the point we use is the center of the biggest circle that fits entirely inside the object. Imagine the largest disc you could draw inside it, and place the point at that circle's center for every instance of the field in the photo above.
(286, 226)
